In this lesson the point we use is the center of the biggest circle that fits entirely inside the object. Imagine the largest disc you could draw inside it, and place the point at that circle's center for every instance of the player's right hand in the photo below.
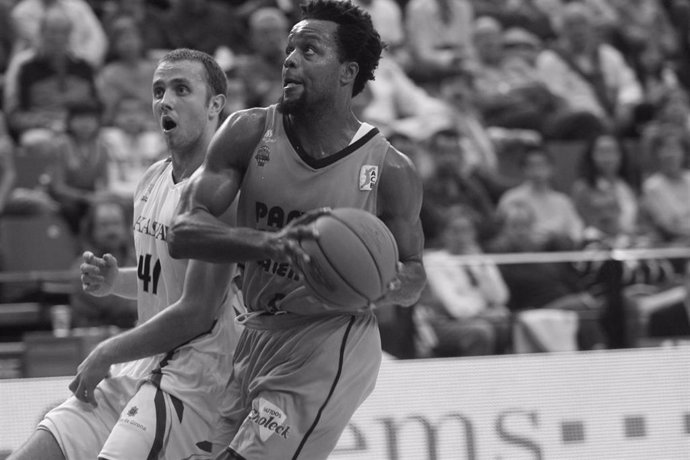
(98, 274)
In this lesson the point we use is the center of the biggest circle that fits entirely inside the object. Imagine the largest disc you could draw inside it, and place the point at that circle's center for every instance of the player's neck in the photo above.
(321, 135)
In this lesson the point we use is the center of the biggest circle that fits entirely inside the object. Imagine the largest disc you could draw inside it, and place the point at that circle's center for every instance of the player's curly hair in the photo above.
(357, 39)
(215, 77)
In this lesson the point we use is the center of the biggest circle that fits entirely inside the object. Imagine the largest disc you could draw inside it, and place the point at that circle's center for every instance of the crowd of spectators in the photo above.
(491, 99)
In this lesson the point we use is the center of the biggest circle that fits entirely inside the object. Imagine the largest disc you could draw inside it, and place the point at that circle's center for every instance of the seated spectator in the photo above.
(604, 181)
(465, 307)
(80, 172)
(671, 116)
(129, 71)
(104, 230)
(133, 145)
(7, 38)
(439, 40)
(260, 69)
(546, 285)
(591, 76)
(395, 103)
(87, 41)
(205, 25)
(8, 173)
(528, 15)
(555, 216)
(387, 17)
(665, 193)
(45, 81)
(147, 15)
(631, 32)
(508, 91)
(672, 320)
(455, 182)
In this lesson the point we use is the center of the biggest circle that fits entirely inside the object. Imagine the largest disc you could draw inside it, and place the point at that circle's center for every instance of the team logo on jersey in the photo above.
(270, 419)
(263, 155)
(368, 176)
(132, 411)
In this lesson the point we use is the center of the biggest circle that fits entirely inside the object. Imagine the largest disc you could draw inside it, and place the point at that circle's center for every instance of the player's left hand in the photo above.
(389, 297)
(89, 374)
(284, 245)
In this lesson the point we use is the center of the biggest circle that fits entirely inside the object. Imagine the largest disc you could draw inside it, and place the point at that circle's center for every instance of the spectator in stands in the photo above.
(555, 216)
(466, 304)
(129, 71)
(673, 320)
(205, 25)
(260, 70)
(42, 85)
(524, 14)
(508, 91)
(80, 172)
(104, 230)
(7, 38)
(603, 194)
(87, 40)
(393, 102)
(8, 173)
(133, 145)
(631, 32)
(147, 15)
(439, 40)
(665, 193)
(590, 75)
(387, 16)
(671, 117)
(543, 284)
(456, 182)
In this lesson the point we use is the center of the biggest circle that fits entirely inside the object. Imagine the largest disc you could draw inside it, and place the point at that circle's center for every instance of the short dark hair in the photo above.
(215, 77)
(356, 36)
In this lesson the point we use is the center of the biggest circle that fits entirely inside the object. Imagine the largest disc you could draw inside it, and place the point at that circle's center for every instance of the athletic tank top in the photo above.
(281, 183)
(160, 277)
(196, 371)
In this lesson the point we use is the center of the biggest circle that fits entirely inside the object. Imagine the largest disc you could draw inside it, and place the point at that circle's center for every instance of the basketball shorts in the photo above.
(293, 390)
(129, 424)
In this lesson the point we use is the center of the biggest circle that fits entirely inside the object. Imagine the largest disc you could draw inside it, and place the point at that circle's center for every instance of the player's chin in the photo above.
(288, 104)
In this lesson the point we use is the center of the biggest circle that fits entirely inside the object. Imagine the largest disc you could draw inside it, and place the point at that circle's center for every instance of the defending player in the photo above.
(301, 369)
(162, 400)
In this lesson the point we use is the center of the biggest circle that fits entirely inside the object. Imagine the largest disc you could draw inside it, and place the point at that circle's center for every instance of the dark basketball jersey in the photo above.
(281, 183)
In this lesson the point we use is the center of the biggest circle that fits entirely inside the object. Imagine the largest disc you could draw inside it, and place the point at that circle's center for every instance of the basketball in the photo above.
(353, 259)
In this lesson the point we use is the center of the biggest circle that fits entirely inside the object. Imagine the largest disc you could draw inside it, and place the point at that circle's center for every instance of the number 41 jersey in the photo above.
(196, 371)
(160, 277)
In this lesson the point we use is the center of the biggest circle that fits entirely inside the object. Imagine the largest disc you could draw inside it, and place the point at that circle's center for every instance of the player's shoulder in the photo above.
(247, 122)
(398, 162)
(154, 171)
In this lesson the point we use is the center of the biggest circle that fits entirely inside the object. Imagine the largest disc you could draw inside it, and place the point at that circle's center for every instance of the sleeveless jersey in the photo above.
(281, 183)
(197, 371)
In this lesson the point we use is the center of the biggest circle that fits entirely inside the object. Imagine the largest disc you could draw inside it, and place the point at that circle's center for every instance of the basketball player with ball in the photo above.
(313, 183)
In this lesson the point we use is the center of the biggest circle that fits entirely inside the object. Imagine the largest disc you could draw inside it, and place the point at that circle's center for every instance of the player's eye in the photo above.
(158, 93)
(182, 90)
(289, 50)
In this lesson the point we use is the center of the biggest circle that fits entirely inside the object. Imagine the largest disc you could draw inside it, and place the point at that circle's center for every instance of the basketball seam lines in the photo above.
(341, 359)
(340, 275)
(371, 254)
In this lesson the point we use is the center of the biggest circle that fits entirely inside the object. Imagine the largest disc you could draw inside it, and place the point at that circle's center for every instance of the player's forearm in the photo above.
(203, 237)
(162, 333)
(125, 284)
(412, 279)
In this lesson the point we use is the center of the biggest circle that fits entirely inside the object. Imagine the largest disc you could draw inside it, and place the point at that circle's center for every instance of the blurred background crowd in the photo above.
(536, 125)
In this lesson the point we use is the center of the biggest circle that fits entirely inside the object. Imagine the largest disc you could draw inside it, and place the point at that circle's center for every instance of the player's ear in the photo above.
(217, 103)
(349, 71)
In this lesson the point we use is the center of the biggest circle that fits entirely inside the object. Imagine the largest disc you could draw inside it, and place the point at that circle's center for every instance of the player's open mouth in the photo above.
(290, 83)
(168, 124)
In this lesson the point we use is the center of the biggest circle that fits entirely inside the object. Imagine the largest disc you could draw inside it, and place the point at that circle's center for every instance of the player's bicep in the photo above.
(400, 202)
(215, 185)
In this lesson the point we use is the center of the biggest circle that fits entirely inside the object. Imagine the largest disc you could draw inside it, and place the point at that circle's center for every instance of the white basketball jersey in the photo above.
(197, 371)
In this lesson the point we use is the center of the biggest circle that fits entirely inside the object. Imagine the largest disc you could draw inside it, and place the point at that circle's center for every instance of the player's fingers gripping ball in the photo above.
(353, 260)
